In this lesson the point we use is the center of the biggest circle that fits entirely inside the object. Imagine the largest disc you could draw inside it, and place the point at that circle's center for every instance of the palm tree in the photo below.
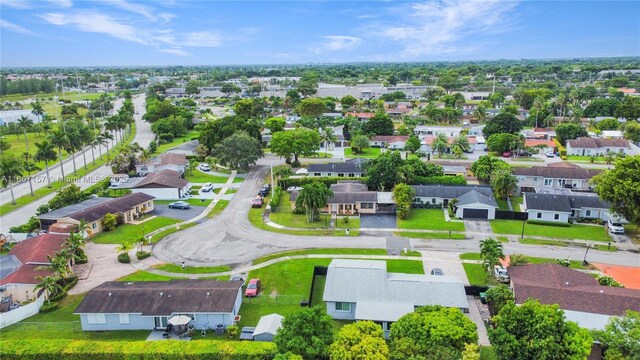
(11, 168)
(537, 104)
(440, 144)
(461, 143)
(46, 152)
(38, 110)
(123, 248)
(75, 244)
(29, 167)
(47, 124)
(85, 137)
(480, 113)
(59, 264)
(25, 123)
(328, 137)
(106, 136)
(49, 284)
(59, 139)
(561, 101)
(112, 124)
(610, 156)
(491, 253)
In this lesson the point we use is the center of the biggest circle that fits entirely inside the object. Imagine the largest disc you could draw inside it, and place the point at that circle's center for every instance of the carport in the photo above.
(378, 221)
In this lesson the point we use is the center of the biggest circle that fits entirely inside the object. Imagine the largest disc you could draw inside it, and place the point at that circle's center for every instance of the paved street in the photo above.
(143, 136)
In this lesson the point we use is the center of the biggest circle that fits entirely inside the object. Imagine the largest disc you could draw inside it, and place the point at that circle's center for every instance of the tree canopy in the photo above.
(292, 144)
(487, 165)
(569, 131)
(620, 186)
(307, 332)
(379, 124)
(238, 151)
(621, 337)
(359, 340)
(504, 122)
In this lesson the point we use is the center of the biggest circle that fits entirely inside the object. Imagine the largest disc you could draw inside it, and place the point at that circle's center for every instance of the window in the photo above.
(96, 319)
(352, 175)
(343, 306)
(562, 182)
(556, 216)
(433, 200)
(328, 174)
(316, 174)
(548, 182)
(366, 205)
(93, 226)
(588, 213)
(124, 318)
(340, 174)
(539, 215)
(535, 179)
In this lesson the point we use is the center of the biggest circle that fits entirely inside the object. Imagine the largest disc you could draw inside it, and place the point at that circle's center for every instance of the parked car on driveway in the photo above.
(207, 187)
(257, 202)
(615, 227)
(506, 154)
(294, 188)
(253, 288)
(204, 167)
(549, 154)
(500, 274)
(179, 205)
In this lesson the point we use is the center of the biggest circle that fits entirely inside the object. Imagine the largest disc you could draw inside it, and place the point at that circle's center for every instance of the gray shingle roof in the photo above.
(161, 298)
(592, 143)
(68, 210)
(350, 166)
(476, 197)
(117, 205)
(561, 202)
(556, 172)
(165, 178)
(449, 192)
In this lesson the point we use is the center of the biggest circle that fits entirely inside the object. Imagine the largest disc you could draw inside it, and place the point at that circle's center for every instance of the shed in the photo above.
(267, 327)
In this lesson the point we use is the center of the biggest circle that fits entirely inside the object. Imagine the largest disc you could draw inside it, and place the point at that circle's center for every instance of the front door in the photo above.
(160, 322)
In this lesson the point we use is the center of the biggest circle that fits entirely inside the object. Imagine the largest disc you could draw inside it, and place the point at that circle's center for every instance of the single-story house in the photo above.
(586, 146)
(583, 300)
(473, 201)
(561, 207)
(267, 327)
(544, 144)
(389, 141)
(432, 130)
(427, 144)
(362, 116)
(364, 290)
(351, 198)
(163, 185)
(148, 305)
(20, 267)
(454, 170)
(574, 177)
(171, 161)
(349, 168)
(129, 207)
(611, 134)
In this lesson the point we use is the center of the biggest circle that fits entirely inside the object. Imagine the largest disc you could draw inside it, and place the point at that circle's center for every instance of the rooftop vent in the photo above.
(109, 294)
(161, 294)
(207, 293)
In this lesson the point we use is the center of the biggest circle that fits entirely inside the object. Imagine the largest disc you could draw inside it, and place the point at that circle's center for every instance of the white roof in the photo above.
(356, 281)
(268, 324)
(385, 197)
(382, 311)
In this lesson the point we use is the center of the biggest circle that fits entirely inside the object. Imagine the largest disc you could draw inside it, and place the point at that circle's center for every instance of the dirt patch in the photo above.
(104, 267)
(628, 276)
(274, 293)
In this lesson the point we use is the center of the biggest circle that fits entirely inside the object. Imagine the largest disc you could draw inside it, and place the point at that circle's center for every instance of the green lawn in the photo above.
(159, 236)
(353, 222)
(583, 232)
(147, 276)
(217, 208)
(431, 235)
(62, 324)
(516, 201)
(543, 242)
(284, 216)
(502, 204)
(502, 239)
(341, 251)
(575, 264)
(192, 202)
(18, 147)
(255, 217)
(177, 141)
(128, 233)
(192, 269)
(597, 159)
(431, 219)
(476, 274)
(470, 256)
(199, 177)
(370, 153)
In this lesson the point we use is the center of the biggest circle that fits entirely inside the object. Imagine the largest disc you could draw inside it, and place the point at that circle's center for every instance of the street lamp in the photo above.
(524, 221)
(584, 260)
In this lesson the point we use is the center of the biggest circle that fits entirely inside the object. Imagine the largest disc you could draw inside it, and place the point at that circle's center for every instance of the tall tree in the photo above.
(620, 186)
(536, 331)
(312, 198)
(328, 138)
(348, 101)
(49, 284)
(38, 110)
(379, 124)
(275, 124)
(504, 122)
(295, 143)
(413, 144)
(440, 144)
(403, 195)
(25, 123)
(491, 253)
(359, 144)
(461, 143)
(383, 171)
(307, 333)
(569, 131)
(498, 297)
(11, 168)
(312, 107)
(29, 166)
(621, 337)
(359, 340)
(487, 165)
(58, 138)
(239, 151)
(503, 183)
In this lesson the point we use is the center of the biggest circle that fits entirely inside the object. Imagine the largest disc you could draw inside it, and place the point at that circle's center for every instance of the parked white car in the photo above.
(207, 187)
(294, 188)
(204, 167)
(615, 227)
(501, 274)
(550, 154)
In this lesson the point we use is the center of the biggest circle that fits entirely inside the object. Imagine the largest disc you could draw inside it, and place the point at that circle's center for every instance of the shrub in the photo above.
(608, 281)
(124, 258)
(563, 262)
(548, 223)
(232, 331)
(345, 219)
(518, 259)
(82, 260)
(142, 254)
(57, 297)
(275, 200)
(47, 307)
(109, 222)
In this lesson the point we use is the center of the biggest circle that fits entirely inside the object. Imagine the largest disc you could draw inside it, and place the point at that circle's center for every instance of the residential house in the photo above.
(427, 144)
(364, 290)
(176, 92)
(349, 168)
(553, 177)
(267, 327)
(21, 265)
(472, 201)
(148, 305)
(341, 141)
(128, 208)
(432, 130)
(397, 111)
(362, 116)
(171, 161)
(611, 134)
(163, 185)
(562, 207)
(351, 198)
(543, 144)
(12, 116)
(586, 146)
(454, 170)
(389, 141)
(578, 294)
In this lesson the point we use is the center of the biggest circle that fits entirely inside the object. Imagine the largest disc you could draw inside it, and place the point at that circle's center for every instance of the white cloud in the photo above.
(16, 4)
(92, 21)
(434, 28)
(6, 24)
(178, 52)
(61, 3)
(202, 39)
(340, 42)
(146, 11)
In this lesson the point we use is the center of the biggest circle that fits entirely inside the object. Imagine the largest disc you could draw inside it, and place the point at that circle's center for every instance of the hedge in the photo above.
(440, 180)
(548, 223)
(48, 306)
(561, 149)
(49, 349)
(124, 258)
(142, 254)
(275, 200)
(423, 180)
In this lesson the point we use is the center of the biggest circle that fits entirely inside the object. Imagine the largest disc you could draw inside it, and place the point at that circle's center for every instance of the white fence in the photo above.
(23, 312)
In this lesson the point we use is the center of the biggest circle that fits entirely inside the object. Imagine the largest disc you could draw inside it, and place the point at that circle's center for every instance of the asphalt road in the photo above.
(230, 238)
(143, 136)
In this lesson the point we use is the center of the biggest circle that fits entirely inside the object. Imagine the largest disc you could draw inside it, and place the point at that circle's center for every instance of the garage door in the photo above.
(475, 213)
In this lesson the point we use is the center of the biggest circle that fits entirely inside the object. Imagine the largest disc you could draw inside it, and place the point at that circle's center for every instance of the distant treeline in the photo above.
(28, 86)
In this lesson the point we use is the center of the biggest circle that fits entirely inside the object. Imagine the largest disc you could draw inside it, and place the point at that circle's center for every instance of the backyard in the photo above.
(284, 217)
(431, 219)
(583, 232)
(197, 176)
(369, 153)
(129, 233)
(177, 141)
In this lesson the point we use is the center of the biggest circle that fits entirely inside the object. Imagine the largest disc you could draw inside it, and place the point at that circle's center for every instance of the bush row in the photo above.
(142, 254)
(328, 181)
(46, 349)
(548, 223)
(48, 306)
(440, 180)
(561, 149)
(275, 200)
(124, 258)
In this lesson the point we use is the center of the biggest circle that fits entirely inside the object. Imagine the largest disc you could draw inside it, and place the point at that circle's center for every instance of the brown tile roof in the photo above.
(172, 159)
(117, 205)
(36, 249)
(165, 178)
(536, 142)
(360, 115)
(161, 297)
(571, 290)
(556, 172)
(25, 274)
(593, 143)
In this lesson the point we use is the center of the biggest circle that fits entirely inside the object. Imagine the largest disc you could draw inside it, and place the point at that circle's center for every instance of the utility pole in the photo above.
(494, 84)
(272, 187)
(77, 81)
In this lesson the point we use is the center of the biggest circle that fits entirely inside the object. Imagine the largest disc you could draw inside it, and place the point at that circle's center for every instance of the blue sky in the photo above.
(127, 32)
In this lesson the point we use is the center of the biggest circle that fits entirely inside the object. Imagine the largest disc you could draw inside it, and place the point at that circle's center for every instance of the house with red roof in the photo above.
(20, 267)
(389, 141)
(362, 116)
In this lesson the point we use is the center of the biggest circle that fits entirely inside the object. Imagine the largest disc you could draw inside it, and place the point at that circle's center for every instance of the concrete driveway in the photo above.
(478, 228)
(378, 221)
(180, 214)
